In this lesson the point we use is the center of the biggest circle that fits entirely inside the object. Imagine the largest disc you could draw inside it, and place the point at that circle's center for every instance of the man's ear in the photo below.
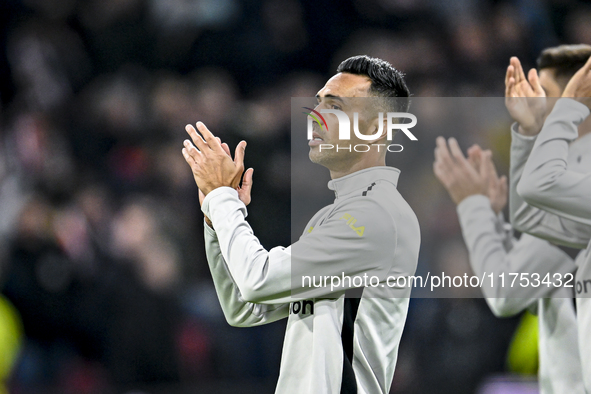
(385, 125)
(373, 128)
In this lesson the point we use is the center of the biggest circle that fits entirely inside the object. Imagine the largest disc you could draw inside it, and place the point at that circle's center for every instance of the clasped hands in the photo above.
(464, 177)
(212, 164)
(526, 99)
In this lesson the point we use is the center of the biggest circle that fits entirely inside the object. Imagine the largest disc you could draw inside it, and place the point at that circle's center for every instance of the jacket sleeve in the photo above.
(493, 252)
(546, 181)
(525, 211)
(237, 311)
(337, 247)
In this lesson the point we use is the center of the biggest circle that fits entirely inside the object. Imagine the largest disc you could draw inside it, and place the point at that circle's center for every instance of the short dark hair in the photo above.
(566, 60)
(386, 81)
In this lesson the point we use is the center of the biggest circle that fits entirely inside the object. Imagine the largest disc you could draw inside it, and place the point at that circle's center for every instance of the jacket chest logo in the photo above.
(351, 222)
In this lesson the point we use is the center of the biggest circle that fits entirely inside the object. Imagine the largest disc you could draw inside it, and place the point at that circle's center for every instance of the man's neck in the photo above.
(358, 166)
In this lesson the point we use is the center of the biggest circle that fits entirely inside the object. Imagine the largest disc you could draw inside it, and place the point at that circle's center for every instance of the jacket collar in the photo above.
(361, 180)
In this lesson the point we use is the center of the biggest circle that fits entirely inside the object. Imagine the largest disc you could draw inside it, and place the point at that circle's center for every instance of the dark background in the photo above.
(101, 249)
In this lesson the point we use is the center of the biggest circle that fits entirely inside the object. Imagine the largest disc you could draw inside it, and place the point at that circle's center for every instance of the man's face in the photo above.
(339, 93)
(549, 83)
(551, 86)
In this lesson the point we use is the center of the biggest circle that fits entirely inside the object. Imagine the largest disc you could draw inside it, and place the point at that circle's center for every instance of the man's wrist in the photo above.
(206, 189)
(216, 194)
(473, 200)
(529, 131)
(520, 142)
(458, 199)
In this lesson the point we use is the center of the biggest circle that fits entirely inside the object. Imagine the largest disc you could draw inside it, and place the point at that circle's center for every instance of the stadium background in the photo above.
(101, 247)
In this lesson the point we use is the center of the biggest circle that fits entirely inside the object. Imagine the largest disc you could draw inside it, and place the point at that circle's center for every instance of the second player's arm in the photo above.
(546, 181)
(526, 215)
(490, 254)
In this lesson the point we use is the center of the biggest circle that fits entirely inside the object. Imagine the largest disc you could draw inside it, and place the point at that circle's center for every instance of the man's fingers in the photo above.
(485, 165)
(192, 151)
(508, 76)
(239, 154)
(440, 161)
(189, 159)
(224, 146)
(444, 167)
(521, 90)
(510, 91)
(209, 138)
(440, 173)
(474, 156)
(226, 149)
(456, 152)
(534, 81)
(442, 153)
(519, 74)
(197, 139)
(474, 150)
(437, 154)
(246, 187)
(247, 180)
(437, 170)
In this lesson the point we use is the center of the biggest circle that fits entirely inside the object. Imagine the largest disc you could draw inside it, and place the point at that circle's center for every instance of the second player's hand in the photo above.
(525, 98)
(497, 186)
(456, 173)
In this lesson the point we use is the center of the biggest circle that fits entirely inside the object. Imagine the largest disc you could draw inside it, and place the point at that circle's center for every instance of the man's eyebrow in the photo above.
(332, 96)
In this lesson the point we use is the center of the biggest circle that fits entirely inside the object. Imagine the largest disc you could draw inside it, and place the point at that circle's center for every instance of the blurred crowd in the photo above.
(101, 238)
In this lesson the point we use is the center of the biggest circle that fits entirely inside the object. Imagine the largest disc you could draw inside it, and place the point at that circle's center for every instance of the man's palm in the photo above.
(525, 98)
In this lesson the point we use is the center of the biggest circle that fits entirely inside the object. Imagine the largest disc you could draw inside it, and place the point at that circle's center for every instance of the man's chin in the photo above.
(315, 155)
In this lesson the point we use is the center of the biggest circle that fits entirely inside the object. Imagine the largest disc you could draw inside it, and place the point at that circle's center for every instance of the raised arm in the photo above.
(332, 249)
(487, 241)
(532, 218)
(546, 181)
(526, 102)
(238, 311)
(491, 247)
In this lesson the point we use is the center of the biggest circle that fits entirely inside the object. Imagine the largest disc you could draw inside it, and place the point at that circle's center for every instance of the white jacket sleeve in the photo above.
(528, 216)
(546, 182)
(492, 253)
(334, 248)
(238, 312)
